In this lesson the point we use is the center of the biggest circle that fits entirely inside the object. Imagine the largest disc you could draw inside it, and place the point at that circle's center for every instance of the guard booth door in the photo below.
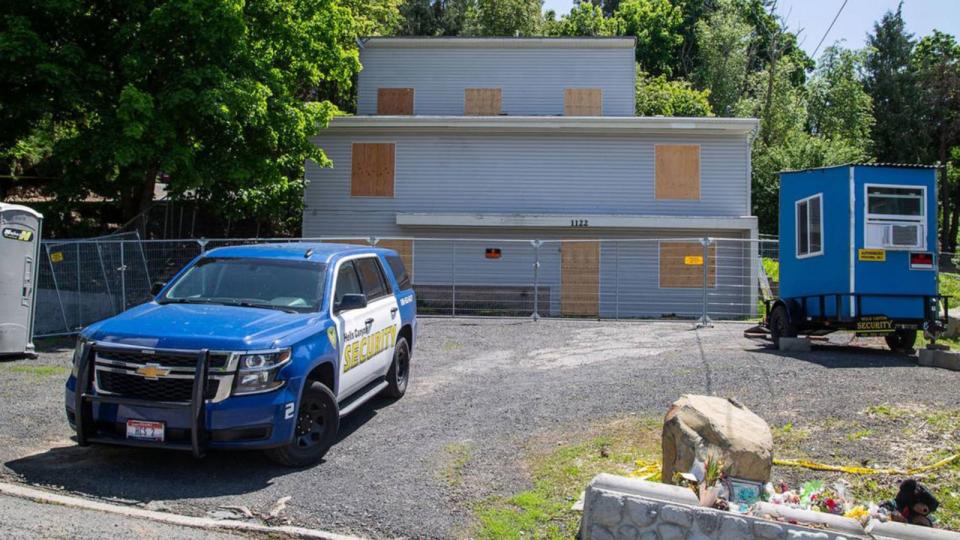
(20, 250)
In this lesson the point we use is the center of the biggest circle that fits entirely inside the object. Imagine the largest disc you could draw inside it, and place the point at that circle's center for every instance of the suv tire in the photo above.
(399, 375)
(318, 420)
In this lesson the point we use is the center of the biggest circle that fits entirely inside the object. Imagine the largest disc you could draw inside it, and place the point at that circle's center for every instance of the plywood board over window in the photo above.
(373, 170)
(481, 101)
(677, 172)
(580, 279)
(583, 102)
(395, 101)
(681, 265)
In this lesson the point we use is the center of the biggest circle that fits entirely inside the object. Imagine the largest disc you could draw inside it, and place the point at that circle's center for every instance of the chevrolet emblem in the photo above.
(152, 371)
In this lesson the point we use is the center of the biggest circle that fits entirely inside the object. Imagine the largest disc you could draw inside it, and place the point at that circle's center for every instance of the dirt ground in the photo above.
(481, 391)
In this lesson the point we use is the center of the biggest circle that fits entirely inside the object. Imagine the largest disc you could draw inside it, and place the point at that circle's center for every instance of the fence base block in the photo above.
(940, 359)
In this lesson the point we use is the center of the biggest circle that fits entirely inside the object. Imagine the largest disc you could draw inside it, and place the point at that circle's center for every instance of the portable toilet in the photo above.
(858, 251)
(20, 241)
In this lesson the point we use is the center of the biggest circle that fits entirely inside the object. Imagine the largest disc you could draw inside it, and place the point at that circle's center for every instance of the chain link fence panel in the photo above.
(702, 279)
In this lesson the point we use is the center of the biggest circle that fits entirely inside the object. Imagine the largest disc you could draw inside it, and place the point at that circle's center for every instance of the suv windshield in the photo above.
(294, 286)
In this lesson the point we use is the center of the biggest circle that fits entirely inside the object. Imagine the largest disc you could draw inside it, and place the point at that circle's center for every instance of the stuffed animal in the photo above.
(913, 504)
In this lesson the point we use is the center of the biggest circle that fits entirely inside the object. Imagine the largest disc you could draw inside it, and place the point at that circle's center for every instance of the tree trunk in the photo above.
(137, 199)
(947, 211)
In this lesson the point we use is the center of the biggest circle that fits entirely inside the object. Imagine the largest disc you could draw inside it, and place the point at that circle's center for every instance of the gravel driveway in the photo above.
(490, 385)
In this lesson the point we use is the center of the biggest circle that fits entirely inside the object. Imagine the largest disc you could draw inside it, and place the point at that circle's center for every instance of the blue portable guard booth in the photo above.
(858, 251)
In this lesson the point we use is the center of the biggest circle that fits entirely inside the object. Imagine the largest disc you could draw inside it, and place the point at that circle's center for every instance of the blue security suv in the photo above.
(256, 347)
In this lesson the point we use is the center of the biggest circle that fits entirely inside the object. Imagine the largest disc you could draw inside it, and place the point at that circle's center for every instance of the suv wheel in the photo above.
(399, 374)
(317, 423)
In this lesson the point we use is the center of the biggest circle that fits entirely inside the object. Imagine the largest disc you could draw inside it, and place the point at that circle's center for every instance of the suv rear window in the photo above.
(399, 271)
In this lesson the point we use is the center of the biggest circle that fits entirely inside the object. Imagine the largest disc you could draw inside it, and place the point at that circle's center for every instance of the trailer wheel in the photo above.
(901, 340)
(780, 325)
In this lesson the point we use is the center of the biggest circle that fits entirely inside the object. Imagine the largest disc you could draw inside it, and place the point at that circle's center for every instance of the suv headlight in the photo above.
(257, 372)
(77, 352)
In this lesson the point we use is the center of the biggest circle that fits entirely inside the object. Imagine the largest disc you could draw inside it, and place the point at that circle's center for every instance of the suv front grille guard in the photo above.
(84, 400)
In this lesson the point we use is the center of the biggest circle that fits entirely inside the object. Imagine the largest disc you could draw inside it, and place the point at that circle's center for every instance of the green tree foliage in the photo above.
(504, 18)
(788, 143)
(658, 96)
(724, 40)
(839, 107)
(892, 84)
(434, 17)
(936, 62)
(215, 94)
(375, 17)
(585, 20)
(609, 7)
(656, 25)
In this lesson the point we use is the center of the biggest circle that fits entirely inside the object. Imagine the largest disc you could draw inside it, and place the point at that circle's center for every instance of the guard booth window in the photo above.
(895, 217)
(809, 226)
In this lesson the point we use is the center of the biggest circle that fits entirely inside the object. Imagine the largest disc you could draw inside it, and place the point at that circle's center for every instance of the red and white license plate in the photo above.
(145, 430)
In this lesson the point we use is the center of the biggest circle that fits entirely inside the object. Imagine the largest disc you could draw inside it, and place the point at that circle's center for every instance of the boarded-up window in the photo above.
(678, 171)
(395, 101)
(681, 265)
(373, 169)
(481, 101)
(583, 102)
(580, 279)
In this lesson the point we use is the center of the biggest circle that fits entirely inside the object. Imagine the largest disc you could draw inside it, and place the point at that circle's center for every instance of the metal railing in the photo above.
(697, 278)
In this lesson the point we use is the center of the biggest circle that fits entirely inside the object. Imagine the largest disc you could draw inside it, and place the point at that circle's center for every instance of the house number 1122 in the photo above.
(579, 223)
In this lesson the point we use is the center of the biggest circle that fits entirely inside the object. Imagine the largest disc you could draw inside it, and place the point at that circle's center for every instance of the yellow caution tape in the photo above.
(807, 464)
(644, 470)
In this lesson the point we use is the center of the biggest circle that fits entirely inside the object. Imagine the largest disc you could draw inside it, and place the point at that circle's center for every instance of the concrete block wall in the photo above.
(623, 508)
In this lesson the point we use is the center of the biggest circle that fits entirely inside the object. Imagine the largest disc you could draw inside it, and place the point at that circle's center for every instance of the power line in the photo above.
(829, 28)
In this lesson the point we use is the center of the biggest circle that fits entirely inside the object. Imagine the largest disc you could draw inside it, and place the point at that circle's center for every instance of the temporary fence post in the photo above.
(123, 280)
(79, 296)
(536, 279)
(705, 318)
(56, 287)
(453, 273)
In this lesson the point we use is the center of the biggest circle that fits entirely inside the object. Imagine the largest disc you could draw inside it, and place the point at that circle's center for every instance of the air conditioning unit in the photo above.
(895, 235)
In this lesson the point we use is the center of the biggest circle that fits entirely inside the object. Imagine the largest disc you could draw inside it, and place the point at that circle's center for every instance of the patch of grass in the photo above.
(456, 457)
(935, 435)
(561, 474)
(950, 285)
(450, 346)
(859, 435)
(888, 412)
(40, 372)
(789, 438)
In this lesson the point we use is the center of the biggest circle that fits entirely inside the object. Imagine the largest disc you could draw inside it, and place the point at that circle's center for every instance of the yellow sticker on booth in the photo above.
(693, 260)
(56, 256)
(872, 255)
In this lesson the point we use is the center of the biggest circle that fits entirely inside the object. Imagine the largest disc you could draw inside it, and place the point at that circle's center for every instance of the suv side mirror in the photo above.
(351, 301)
(157, 287)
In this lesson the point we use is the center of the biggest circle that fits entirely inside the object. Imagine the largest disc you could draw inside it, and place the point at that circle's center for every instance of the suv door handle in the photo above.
(393, 311)
(369, 321)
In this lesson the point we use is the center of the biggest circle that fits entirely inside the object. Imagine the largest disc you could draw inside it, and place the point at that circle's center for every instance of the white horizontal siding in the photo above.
(532, 80)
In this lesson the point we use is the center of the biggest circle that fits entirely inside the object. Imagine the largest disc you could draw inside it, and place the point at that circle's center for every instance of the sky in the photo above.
(812, 18)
